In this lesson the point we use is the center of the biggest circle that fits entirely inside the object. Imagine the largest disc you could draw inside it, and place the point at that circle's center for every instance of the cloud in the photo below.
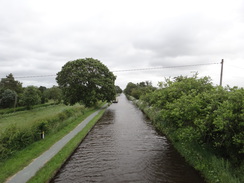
(39, 37)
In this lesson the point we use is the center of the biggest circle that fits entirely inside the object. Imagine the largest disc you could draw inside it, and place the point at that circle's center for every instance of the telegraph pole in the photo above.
(221, 73)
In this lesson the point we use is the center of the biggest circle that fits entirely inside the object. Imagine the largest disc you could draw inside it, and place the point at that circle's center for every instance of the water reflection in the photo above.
(124, 147)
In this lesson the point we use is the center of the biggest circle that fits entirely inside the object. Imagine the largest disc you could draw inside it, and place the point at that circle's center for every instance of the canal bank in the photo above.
(213, 168)
(63, 147)
(123, 146)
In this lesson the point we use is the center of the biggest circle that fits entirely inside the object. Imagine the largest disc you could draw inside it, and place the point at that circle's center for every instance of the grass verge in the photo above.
(214, 169)
(23, 157)
(50, 168)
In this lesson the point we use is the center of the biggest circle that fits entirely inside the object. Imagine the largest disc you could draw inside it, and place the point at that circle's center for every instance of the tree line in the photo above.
(13, 94)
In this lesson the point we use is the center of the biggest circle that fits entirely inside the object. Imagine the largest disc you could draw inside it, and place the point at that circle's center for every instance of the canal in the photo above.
(124, 147)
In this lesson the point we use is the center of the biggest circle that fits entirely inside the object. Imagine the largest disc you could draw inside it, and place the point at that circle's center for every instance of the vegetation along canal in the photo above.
(124, 147)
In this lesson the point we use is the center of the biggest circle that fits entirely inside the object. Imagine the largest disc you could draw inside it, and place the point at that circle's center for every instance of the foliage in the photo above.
(118, 89)
(192, 111)
(10, 83)
(10, 90)
(42, 89)
(22, 158)
(139, 89)
(18, 109)
(9, 98)
(12, 94)
(129, 87)
(213, 115)
(86, 81)
(14, 138)
(31, 97)
(54, 93)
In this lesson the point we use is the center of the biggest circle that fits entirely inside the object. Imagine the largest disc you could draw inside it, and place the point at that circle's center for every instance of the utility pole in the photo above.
(221, 73)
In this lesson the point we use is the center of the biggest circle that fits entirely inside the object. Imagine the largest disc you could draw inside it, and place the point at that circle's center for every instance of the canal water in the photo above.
(124, 147)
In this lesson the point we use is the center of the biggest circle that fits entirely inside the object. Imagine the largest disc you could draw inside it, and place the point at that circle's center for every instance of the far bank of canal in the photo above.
(124, 147)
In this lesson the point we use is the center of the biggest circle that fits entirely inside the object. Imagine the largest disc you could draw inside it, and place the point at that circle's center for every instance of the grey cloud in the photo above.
(39, 41)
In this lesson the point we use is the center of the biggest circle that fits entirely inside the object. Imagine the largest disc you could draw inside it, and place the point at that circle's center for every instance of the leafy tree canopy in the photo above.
(31, 96)
(54, 93)
(10, 83)
(9, 97)
(86, 81)
(139, 89)
(118, 89)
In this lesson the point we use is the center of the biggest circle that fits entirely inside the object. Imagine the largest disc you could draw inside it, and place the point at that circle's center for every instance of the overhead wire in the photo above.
(128, 70)
(163, 67)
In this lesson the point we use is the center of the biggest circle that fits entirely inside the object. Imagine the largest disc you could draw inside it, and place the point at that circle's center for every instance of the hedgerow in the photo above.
(193, 112)
(209, 115)
(13, 138)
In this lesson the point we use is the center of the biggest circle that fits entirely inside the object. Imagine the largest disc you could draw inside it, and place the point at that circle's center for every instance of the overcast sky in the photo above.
(37, 37)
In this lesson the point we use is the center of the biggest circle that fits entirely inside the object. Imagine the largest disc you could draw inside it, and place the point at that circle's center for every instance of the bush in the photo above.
(205, 123)
(31, 97)
(200, 112)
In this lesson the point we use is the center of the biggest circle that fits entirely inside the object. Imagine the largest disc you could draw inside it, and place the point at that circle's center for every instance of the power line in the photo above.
(34, 76)
(162, 67)
(129, 70)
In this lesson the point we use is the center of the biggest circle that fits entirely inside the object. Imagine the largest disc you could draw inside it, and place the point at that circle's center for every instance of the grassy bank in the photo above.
(214, 168)
(21, 158)
(52, 167)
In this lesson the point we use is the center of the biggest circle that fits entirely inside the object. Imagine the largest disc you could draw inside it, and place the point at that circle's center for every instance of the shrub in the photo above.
(199, 112)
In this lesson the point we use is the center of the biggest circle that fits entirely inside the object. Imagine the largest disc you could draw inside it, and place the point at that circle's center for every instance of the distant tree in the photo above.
(118, 89)
(10, 83)
(31, 96)
(129, 87)
(54, 93)
(42, 89)
(8, 99)
(139, 89)
(86, 81)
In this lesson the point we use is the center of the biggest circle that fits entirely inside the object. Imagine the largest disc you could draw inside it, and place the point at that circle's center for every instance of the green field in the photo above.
(25, 119)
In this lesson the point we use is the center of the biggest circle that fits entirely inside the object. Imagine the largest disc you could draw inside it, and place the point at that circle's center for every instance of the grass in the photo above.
(25, 119)
(23, 157)
(215, 169)
(50, 168)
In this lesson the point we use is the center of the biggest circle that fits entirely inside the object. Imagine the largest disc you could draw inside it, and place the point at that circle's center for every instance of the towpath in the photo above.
(29, 171)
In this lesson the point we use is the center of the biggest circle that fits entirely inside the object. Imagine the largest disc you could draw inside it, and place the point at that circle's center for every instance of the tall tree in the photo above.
(10, 83)
(42, 90)
(86, 81)
(129, 87)
(8, 99)
(31, 96)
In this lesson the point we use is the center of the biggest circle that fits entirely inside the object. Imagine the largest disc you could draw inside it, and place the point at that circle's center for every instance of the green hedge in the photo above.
(13, 138)
(11, 110)
(194, 113)
(213, 116)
